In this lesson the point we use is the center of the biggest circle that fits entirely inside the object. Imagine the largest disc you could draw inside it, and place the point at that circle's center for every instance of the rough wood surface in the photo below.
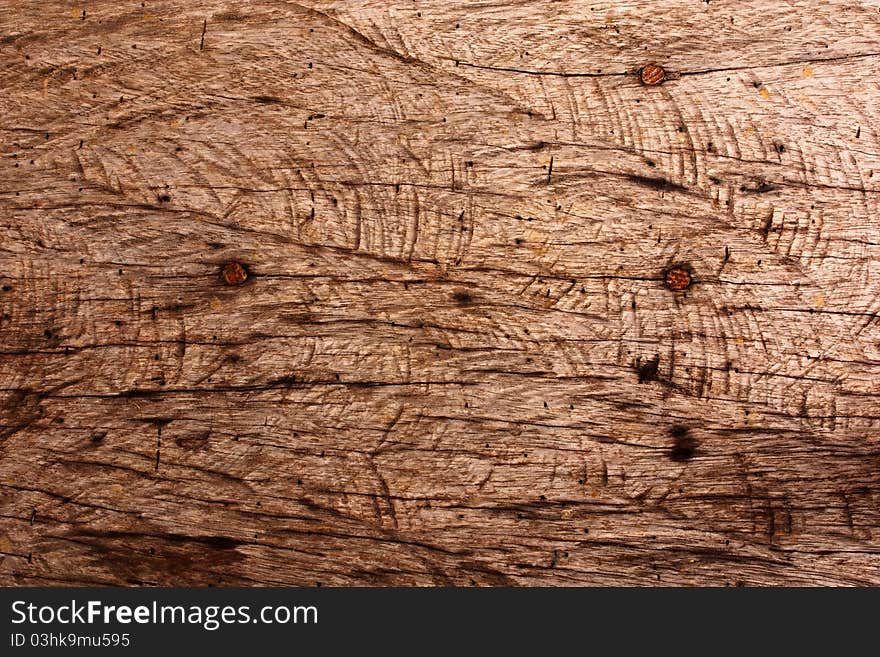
(459, 355)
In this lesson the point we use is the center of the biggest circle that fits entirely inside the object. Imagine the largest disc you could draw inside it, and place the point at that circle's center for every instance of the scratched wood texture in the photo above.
(456, 359)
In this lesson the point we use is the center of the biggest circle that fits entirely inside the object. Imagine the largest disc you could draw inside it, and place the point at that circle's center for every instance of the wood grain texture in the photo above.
(459, 355)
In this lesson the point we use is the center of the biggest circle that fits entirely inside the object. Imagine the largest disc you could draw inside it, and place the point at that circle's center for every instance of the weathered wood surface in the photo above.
(455, 359)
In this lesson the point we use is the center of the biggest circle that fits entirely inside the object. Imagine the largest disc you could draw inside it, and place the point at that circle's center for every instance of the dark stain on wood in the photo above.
(657, 183)
(758, 187)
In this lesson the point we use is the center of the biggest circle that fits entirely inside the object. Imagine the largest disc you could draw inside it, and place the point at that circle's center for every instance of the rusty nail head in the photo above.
(234, 273)
(651, 74)
(678, 279)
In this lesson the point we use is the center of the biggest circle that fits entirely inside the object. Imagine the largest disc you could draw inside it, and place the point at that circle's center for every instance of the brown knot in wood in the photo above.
(678, 279)
(234, 273)
(651, 74)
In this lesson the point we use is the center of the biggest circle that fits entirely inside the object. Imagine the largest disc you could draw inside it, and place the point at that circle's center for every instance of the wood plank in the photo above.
(456, 358)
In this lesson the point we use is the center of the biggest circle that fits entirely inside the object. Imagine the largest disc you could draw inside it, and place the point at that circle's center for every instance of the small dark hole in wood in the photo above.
(684, 445)
(647, 371)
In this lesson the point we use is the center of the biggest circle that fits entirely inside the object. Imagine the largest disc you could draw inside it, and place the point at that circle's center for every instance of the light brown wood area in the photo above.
(440, 293)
